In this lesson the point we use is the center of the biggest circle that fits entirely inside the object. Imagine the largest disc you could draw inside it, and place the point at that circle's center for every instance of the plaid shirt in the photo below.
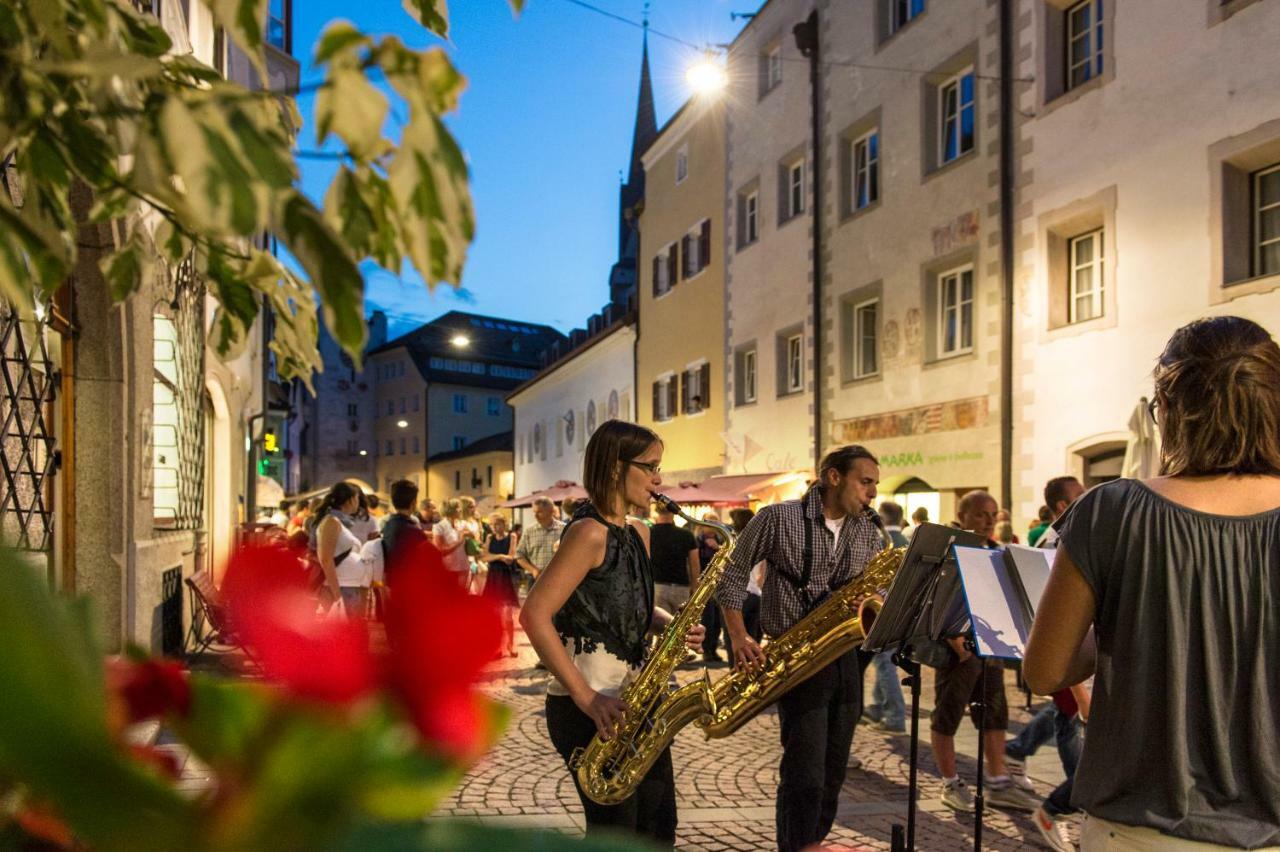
(538, 543)
(777, 535)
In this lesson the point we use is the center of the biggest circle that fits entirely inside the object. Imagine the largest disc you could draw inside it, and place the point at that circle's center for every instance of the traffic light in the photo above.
(269, 442)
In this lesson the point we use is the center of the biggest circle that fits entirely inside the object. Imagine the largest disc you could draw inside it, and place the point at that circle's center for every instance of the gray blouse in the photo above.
(1184, 736)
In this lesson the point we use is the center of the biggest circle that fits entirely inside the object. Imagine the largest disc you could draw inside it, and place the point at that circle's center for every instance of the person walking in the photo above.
(337, 549)
(539, 542)
(813, 546)
(1165, 590)
(402, 525)
(449, 540)
(498, 554)
(674, 554)
(588, 617)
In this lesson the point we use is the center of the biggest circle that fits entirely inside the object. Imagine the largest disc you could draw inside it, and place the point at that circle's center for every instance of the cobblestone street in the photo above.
(725, 788)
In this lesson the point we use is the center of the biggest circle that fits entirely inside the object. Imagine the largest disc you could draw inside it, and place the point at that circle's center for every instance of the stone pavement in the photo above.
(725, 788)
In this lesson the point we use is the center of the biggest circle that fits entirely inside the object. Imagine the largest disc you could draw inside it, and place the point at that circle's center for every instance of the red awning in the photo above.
(735, 490)
(556, 493)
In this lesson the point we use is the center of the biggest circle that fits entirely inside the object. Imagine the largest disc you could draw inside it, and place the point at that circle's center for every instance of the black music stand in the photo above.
(923, 604)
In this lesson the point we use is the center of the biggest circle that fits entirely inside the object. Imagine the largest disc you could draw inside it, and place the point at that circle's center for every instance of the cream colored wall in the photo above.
(440, 478)
(686, 324)
(1182, 86)
(407, 465)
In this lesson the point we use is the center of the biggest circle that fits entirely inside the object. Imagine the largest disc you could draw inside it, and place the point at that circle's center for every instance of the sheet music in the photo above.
(1033, 565)
(996, 610)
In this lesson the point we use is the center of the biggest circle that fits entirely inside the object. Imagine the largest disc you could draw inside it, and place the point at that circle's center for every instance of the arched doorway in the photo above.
(220, 467)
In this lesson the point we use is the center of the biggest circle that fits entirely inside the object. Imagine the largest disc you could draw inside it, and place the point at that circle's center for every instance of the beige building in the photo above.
(680, 350)
(1150, 198)
(911, 231)
(482, 470)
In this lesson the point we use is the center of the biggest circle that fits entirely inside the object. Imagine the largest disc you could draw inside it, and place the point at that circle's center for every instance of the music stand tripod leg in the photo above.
(979, 798)
(902, 659)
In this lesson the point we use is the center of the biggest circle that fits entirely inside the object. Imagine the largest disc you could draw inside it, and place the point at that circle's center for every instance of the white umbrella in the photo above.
(1142, 452)
(269, 492)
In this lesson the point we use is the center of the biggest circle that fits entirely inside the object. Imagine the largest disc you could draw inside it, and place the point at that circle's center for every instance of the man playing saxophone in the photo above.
(813, 546)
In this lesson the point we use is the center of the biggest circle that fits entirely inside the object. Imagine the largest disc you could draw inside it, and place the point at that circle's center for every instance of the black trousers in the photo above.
(817, 720)
(651, 810)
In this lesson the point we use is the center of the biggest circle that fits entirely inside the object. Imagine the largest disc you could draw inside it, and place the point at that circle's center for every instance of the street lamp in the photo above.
(364, 452)
(461, 341)
(403, 424)
(707, 76)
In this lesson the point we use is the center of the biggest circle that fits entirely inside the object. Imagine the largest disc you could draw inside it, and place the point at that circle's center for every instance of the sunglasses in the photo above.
(653, 468)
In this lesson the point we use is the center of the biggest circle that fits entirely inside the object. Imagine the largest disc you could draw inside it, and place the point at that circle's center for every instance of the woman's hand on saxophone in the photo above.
(693, 639)
(605, 710)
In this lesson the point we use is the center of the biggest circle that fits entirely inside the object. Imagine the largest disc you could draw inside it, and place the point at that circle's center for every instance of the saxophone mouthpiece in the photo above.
(667, 503)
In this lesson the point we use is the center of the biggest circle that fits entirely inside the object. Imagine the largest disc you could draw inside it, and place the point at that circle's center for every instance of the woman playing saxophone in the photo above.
(590, 612)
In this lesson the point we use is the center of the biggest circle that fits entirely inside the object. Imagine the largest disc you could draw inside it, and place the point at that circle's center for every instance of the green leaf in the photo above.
(339, 37)
(348, 104)
(517, 6)
(131, 266)
(456, 835)
(228, 720)
(357, 205)
(432, 14)
(244, 21)
(329, 265)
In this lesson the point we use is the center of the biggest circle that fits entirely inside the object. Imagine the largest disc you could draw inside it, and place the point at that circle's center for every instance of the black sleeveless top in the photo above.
(613, 605)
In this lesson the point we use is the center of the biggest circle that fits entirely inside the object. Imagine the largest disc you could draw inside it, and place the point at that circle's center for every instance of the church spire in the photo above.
(646, 129)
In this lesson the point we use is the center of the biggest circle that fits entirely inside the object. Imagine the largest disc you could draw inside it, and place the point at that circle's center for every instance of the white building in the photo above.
(556, 411)
(1150, 197)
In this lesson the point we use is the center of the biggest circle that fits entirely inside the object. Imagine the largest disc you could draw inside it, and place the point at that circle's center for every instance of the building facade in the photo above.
(558, 410)
(482, 471)
(680, 354)
(1151, 197)
(911, 245)
(769, 358)
(443, 386)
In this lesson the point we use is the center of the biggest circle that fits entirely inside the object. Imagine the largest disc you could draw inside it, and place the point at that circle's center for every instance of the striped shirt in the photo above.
(777, 535)
(538, 543)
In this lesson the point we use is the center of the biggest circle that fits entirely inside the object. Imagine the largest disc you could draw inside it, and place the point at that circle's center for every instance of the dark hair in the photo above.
(1045, 514)
(374, 502)
(891, 512)
(404, 493)
(841, 459)
(1218, 391)
(340, 493)
(1055, 492)
(611, 446)
(739, 517)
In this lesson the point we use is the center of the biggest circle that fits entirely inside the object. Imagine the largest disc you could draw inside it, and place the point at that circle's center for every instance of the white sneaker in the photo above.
(1005, 795)
(1018, 774)
(956, 795)
(1053, 832)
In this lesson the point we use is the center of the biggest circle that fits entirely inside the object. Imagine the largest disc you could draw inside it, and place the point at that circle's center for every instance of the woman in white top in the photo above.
(337, 548)
(448, 538)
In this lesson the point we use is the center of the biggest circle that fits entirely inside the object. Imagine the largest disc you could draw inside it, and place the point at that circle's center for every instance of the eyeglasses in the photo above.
(1151, 410)
(654, 468)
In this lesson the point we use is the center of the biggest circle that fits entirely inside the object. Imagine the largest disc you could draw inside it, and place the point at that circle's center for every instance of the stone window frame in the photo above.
(885, 31)
(1056, 229)
(931, 162)
(1232, 163)
(786, 165)
(930, 275)
(750, 189)
(767, 84)
(860, 129)
(1053, 86)
(850, 303)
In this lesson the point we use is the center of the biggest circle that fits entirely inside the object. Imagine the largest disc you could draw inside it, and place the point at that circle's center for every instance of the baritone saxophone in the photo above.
(835, 627)
(609, 771)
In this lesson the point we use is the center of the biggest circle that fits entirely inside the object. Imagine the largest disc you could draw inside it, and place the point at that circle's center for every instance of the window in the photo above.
(682, 164)
(665, 266)
(417, 448)
(391, 407)
(747, 377)
(1086, 277)
(391, 448)
(402, 405)
(866, 170)
(955, 117)
(955, 312)
(792, 189)
(790, 345)
(867, 357)
(696, 249)
(352, 409)
(903, 12)
(695, 388)
(770, 69)
(278, 24)
(459, 442)
(402, 447)
(751, 219)
(457, 480)
(1084, 42)
(459, 403)
(664, 398)
(413, 403)
(493, 407)
(1266, 221)
(489, 476)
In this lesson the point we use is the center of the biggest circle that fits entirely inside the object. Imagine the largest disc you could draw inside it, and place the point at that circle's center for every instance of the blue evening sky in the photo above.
(546, 124)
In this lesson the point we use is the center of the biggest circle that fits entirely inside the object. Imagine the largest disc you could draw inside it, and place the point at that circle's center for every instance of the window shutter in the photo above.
(672, 399)
(684, 255)
(657, 266)
(704, 385)
(704, 245)
(684, 392)
(657, 399)
(673, 258)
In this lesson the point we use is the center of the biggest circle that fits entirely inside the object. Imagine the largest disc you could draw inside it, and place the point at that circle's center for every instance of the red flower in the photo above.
(441, 638)
(325, 659)
(149, 688)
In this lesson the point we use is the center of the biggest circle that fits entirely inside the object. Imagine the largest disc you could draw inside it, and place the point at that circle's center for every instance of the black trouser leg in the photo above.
(817, 721)
(650, 812)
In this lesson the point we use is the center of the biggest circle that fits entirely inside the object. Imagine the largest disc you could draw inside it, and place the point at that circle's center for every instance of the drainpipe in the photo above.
(251, 473)
(1006, 252)
(806, 35)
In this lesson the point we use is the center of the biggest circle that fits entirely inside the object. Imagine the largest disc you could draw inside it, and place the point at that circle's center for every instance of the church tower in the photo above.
(622, 279)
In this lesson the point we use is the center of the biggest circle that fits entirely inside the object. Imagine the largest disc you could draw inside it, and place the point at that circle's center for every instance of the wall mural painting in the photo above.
(940, 417)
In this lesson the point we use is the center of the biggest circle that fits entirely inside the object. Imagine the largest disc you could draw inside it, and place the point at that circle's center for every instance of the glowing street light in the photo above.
(707, 76)
(364, 452)
(403, 424)
(460, 340)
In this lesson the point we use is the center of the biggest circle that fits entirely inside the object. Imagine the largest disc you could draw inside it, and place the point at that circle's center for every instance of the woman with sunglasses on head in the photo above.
(590, 613)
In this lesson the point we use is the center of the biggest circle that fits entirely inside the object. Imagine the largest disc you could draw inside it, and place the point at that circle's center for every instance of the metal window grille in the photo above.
(178, 430)
(27, 456)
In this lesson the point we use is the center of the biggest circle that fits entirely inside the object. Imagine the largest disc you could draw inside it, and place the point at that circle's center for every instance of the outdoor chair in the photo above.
(209, 622)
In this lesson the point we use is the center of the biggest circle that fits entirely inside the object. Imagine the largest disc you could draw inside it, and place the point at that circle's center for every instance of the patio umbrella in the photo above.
(1142, 452)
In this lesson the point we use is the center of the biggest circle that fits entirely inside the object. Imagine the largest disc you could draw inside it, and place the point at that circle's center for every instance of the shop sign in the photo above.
(917, 459)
